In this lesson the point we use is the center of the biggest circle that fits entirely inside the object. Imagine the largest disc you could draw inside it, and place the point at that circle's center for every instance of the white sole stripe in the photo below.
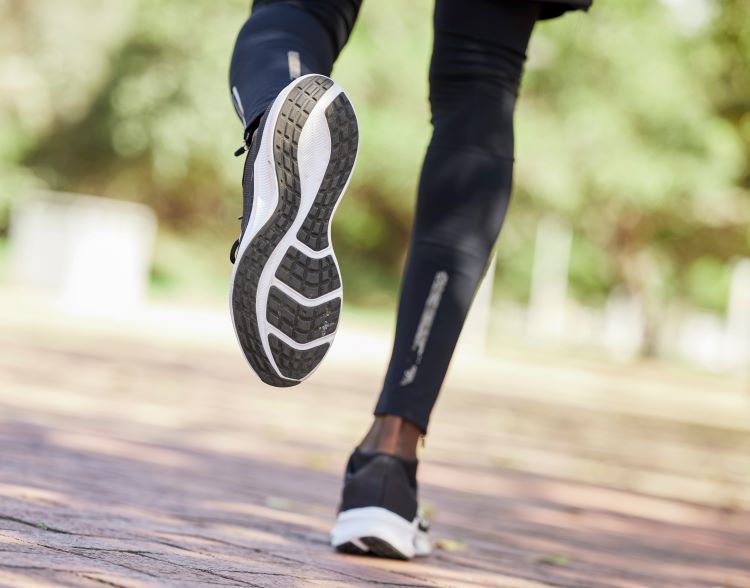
(311, 252)
(303, 300)
(299, 346)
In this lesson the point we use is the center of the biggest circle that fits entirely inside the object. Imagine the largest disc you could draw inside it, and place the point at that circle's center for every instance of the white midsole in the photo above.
(313, 156)
(373, 521)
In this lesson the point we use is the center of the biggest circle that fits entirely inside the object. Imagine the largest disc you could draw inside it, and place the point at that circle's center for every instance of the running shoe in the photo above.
(286, 294)
(379, 514)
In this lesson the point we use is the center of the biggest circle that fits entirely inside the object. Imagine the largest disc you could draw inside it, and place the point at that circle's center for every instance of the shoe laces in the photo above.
(423, 523)
(233, 251)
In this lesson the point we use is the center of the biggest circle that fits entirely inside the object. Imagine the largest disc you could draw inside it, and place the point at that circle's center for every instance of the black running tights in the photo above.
(477, 61)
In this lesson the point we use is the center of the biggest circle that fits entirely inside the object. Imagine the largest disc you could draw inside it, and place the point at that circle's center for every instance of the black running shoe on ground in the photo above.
(379, 514)
(286, 294)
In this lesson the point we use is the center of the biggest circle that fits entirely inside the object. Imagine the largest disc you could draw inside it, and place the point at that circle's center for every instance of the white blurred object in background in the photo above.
(738, 317)
(548, 295)
(91, 254)
(624, 326)
(475, 333)
(700, 340)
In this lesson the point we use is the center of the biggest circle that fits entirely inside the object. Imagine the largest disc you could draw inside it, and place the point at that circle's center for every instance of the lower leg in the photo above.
(463, 195)
(394, 435)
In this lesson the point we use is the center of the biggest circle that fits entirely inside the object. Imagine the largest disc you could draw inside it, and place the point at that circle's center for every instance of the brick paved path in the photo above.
(127, 463)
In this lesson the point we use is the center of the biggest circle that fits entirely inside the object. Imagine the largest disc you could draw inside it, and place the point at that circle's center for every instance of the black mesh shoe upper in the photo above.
(252, 140)
(381, 480)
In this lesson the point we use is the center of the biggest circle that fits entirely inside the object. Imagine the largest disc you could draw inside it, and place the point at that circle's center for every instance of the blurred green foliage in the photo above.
(633, 127)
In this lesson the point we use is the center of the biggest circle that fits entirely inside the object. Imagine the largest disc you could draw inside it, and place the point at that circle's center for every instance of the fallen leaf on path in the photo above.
(278, 503)
(552, 559)
(451, 544)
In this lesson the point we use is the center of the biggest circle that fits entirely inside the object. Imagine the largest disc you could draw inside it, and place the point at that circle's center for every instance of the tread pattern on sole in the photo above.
(296, 363)
(342, 123)
(309, 276)
(293, 114)
(302, 323)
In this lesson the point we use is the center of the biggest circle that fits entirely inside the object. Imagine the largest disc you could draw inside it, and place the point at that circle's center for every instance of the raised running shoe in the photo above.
(379, 513)
(286, 293)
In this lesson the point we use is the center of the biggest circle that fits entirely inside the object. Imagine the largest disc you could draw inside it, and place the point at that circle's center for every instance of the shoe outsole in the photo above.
(301, 317)
(375, 547)
(302, 323)
(344, 138)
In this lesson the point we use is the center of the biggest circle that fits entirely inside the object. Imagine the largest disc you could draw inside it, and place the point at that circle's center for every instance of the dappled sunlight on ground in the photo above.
(149, 463)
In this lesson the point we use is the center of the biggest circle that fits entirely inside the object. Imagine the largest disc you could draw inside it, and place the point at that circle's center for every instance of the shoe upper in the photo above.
(253, 137)
(381, 480)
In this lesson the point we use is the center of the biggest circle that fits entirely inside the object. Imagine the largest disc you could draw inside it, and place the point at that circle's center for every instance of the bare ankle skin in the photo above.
(392, 434)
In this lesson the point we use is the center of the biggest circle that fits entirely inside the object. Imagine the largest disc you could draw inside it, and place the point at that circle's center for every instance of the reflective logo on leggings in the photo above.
(439, 282)
(238, 105)
(295, 67)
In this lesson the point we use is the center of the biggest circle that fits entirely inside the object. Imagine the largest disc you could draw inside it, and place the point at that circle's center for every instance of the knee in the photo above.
(473, 98)
(493, 68)
(470, 123)
(463, 198)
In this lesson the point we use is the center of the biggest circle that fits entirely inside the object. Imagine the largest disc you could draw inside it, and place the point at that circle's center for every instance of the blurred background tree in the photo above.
(633, 128)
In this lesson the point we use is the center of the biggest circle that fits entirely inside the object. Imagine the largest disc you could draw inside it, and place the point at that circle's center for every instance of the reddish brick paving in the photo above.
(135, 464)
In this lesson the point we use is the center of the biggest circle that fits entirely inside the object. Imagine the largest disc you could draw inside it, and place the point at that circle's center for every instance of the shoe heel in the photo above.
(378, 530)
